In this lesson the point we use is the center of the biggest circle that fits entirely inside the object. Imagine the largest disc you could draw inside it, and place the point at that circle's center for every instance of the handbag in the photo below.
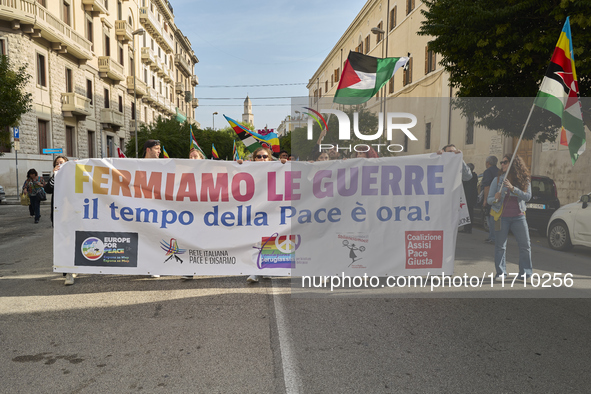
(42, 195)
(25, 200)
(494, 213)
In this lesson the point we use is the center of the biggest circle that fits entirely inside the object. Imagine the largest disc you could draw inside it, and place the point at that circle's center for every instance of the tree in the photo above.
(14, 102)
(494, 48)
(175, 138)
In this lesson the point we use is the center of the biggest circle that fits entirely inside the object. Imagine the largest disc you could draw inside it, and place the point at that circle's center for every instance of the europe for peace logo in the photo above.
(278, 251)
(92, 248)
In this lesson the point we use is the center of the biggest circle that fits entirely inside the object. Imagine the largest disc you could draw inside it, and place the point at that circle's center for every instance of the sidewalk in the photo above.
(15, 200)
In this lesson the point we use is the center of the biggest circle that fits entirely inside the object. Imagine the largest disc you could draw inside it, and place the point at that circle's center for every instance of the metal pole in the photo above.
(213, 122)
(134, 99)
(17, 184)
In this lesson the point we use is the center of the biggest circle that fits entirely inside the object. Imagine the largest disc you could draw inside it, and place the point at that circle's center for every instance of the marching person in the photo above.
(508, 194)
(152, 151)
(471, 192)
(34, 187)
(487, 177)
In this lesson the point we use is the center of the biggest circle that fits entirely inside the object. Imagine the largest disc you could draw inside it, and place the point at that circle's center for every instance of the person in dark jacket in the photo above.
(471, 192)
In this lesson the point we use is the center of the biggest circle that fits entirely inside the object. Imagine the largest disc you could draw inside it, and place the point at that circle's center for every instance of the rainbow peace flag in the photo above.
(165, 153)
(254, 140)
(193, 143)
(214, 153)
(559, 94)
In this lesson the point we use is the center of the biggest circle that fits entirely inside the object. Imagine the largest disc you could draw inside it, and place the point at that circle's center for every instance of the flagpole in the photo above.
(521, 137)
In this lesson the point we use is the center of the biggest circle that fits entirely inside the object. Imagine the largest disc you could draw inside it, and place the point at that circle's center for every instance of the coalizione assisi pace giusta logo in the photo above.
(345, 129)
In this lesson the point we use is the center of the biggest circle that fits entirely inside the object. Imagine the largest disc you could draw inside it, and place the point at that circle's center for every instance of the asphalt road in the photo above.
(127, 334)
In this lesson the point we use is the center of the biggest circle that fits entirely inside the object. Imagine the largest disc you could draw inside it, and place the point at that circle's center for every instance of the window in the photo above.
(122, 143)
(89, 90)
(3, 48)
(407, 74)
(430, 62)
(153, 82)
(70, 141)
(359, 47)
(366, 44)
(90, 143)
(107, 99)
(121, 55)
(131, 66)
(120, 104)
(89, 27)
(337, 73)
(470, 129)
(69, 80)
(391, 85)
(380, 35)
(331, 81)
(41, 70)
(107, 45)
(42, 134)
(392, 18)
(326, 86)
(146, 114)
(42, 2)
(132, 110)
(428, 136)
(410, 5)
(107, 4)
(110, 146)
(130, 20)
(119, 11)
(66, 13)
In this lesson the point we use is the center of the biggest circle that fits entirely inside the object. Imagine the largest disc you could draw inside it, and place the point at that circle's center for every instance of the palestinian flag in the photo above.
(164, 153)
(364, 75)
(559, 94)
(214, 153)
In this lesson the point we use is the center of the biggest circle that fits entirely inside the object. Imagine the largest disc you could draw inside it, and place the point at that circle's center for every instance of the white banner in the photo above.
(387, 216)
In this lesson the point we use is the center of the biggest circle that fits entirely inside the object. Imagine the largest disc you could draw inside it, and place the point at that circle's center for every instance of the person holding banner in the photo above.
(194, 154)
(152, 149)
(260, 154)
(466, 173)
(507, 195)
(34, 187)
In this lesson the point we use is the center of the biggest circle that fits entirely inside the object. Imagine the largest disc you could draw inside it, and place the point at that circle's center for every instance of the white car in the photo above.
(571, 225)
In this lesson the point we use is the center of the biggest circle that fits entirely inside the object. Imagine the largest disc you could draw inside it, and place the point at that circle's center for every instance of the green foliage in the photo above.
(14, 102)
(494, 48)
(175, 138)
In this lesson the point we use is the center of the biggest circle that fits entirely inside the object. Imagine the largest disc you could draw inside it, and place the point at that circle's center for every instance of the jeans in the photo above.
(491, 227)
(518, 226)
(36, 204)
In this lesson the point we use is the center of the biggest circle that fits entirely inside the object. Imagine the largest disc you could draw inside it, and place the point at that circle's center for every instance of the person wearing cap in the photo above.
(152, 149)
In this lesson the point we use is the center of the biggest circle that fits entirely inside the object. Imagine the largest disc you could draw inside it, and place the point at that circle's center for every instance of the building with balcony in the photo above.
(83, 57)
(426, 78)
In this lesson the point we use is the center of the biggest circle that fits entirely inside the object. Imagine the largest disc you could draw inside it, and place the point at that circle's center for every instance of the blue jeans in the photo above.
(36, 204)
(491, 227)
(518, 226)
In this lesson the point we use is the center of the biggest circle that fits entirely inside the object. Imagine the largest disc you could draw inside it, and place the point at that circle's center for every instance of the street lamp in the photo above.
(213, 120)
(140, 32)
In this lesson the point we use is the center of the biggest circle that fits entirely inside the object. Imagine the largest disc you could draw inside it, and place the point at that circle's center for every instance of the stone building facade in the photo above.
(395, 26)
(82, 56)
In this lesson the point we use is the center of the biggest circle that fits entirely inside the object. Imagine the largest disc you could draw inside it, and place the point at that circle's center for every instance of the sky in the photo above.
(258, 43)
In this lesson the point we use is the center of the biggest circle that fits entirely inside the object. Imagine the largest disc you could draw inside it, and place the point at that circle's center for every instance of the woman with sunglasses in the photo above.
(510, 192)
(260, 154)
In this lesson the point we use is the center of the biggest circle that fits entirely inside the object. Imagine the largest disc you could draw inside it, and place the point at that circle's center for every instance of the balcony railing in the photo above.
(182, 64)
(166, 41)
(194, 80)
(167, 74)
(110, 69)
(18, 11)
(195, 102)
(123, 31)
(150, 95)
(149, 21)
(62, 37)
(148, 56)
(95, 5)
(74, 104)
(140, 86)
(112, 117)
(178, 87)
(132, 123)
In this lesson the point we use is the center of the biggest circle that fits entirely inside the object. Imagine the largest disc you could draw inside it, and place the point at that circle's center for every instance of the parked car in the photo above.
(571, 225)
(544, 202)
(2, 195)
